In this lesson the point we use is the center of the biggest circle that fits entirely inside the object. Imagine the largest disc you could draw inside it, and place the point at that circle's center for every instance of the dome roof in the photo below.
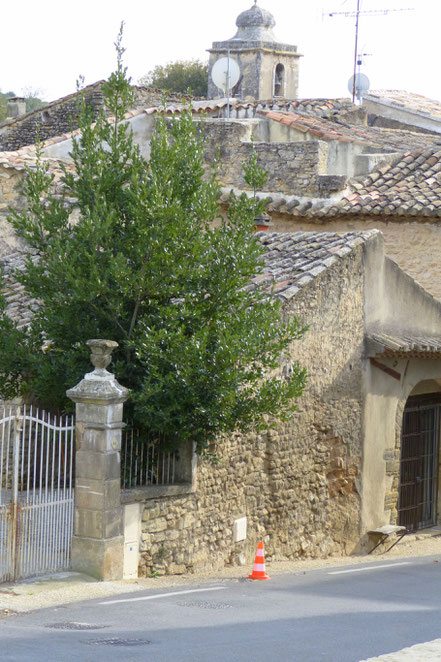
(254, 17)
(255, 24)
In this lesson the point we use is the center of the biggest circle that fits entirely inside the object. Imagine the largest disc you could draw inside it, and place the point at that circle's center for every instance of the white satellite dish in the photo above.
(225, 73)
(362, 84)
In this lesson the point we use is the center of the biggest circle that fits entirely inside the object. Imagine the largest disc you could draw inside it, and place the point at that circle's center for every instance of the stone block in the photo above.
(98, 523)
(102, 559)
(393, 467)
(100, 466)
(95, 495)
(101, 440)
(176, 569)
(92, 414)
(156, 525)
(151, 512)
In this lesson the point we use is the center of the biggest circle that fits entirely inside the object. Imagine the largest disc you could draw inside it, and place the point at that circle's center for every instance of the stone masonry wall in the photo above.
(61, 116)
(10, 183)
(48, 121)
(297, 484)
(413, 242)
(293, 168)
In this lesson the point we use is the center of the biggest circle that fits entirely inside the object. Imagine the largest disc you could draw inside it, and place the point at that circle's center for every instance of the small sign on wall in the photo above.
(240, 529)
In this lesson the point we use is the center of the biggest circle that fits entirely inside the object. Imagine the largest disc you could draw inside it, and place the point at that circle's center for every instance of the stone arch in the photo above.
(279, 80)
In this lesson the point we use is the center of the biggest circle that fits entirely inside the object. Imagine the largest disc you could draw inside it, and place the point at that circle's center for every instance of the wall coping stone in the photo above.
(155, 492)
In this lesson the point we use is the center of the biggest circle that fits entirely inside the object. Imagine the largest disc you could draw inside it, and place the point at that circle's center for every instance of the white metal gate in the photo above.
(37, 489)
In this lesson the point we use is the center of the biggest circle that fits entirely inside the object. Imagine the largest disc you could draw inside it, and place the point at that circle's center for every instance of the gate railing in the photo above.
(36, 491)
(144, 463)
(418, 486)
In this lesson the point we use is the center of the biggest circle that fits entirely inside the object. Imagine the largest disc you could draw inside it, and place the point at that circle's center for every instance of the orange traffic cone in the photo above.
(259, 564)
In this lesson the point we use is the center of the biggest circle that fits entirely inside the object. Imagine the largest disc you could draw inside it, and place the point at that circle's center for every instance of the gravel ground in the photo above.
(68, 587)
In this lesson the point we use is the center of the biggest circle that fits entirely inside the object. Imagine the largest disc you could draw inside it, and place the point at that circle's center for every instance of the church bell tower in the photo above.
(269, 69)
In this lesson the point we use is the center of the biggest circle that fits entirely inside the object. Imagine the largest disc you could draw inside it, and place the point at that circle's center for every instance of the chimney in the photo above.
(16, 106)
(262, 222)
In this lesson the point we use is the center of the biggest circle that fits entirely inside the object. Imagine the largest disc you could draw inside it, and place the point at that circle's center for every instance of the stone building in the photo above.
(332, 171)
(317, 485)
(61, 116)
(268, 68)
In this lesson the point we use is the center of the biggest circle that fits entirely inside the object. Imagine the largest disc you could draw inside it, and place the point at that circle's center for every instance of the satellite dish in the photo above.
(222, 70)
(362, 84)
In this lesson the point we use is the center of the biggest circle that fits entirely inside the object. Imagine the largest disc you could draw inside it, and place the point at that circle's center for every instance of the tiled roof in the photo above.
(19, 306)
(291, 261)
(348, 132)
(411, 185)
(313, 107)
(294, 259)
(62, 100)
(383, 345)
(406, 100)
(51, 104)
(22, 160)
(26, 156)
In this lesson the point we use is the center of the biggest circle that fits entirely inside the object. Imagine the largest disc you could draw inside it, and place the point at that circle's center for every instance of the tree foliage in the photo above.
(186, 76)
(144, 265)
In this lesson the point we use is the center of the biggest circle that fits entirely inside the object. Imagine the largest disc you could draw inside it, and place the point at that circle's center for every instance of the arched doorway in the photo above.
(419, 461)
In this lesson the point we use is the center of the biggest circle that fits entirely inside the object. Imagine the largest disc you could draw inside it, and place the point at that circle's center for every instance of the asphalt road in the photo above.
(343, 614)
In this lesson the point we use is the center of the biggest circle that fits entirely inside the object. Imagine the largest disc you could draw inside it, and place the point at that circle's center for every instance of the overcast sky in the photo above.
(46, 45)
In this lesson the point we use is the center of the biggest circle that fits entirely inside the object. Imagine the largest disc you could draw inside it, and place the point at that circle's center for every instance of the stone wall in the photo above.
(10, 183)
(293, 168)
(297, 484)
(51, 120)
(413, 242)
(257, 64)
(61, 116)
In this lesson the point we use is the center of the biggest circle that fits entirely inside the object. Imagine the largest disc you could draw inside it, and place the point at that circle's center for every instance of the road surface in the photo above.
(343, 614)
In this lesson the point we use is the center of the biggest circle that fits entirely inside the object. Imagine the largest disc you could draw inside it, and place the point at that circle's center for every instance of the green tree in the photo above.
(32, 96)
(182, 76)
(144, 265)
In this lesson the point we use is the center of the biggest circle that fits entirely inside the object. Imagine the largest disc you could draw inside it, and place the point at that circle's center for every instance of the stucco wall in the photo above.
(385, 400)
(395, 303)
(298, 484)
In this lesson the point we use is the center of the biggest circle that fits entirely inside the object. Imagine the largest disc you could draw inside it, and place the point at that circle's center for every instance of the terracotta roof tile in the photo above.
(410, 185)
(333, 128)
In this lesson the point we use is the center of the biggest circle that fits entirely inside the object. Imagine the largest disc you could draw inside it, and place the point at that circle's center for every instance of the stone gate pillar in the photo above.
(98, 542)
